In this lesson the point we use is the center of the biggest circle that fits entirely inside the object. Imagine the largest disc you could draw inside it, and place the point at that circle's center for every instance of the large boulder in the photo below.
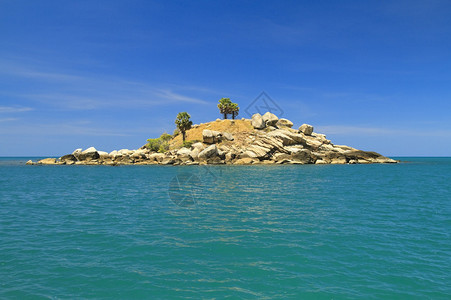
(184, 154)
(305, 156)
(284, 123)
(211, 136)
(270, 119)
(158, 157)
(199, 146)
(256, 151)
(89, 154)
(257, 121)
(103, 154)
(68, 158)
(138, 154)
(195, 153)
(125, 152)
(273, 143)
(47, 161)
(282, 136)
(113, 153)
(77, 151)
(306, 129)
(208, 152)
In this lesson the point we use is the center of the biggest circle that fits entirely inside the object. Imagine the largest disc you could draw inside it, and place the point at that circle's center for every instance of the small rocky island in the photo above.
(261, 140)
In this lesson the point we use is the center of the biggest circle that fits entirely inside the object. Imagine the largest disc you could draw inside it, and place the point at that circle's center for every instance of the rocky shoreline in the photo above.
(261, 140)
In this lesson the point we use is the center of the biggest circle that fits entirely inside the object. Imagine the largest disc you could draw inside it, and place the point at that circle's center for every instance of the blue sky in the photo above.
(375, 75)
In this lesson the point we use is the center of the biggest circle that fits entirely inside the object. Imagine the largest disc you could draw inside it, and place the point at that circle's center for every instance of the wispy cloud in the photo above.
(11, 109)
(64, 90)
(174, 97)
(7, 119)
(12, 69)
(59, 129)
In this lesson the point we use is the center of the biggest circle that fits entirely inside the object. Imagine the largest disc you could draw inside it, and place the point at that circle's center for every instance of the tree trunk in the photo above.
(225, 116)
(183, 135)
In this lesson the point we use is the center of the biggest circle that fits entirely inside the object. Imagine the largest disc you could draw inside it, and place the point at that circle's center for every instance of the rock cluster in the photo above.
(272, 141)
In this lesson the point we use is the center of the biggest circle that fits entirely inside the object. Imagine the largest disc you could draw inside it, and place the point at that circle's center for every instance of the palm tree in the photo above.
(183, 123)
(225, 106)
(235, 110)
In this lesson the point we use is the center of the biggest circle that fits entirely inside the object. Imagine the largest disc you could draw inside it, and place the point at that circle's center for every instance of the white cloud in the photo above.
(7, 119)
(11, 109)
(65, 90)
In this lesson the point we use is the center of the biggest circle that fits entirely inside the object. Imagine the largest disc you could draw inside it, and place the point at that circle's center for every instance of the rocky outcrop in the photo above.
(284, 123)
(306, 129)
(89, 154)
(47, 161)
(268, 140)
(208, 152)
(270, 119)
(258, 122)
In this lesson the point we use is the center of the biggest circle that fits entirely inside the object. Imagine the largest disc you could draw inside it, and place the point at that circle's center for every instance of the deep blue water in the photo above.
(255, 232)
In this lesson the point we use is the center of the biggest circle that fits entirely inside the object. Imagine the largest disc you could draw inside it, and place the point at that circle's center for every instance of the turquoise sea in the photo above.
(238, 232)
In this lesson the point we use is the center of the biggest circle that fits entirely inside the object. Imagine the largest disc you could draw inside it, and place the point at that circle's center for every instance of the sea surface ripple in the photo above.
(254, 232)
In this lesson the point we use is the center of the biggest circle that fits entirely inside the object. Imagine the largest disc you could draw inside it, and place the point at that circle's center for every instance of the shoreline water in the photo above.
(95, 232)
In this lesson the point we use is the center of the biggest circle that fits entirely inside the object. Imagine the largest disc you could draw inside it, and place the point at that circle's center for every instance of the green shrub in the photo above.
(163, 147)
(159, 144)
(176, 132)
(187, 144)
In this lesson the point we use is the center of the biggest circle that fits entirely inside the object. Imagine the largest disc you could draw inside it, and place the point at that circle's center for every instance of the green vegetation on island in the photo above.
(227, 107)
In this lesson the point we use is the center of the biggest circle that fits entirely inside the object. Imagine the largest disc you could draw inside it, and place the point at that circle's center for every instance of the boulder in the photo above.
(184, 154)
(245, 161)
(281, 156)
(90, 150)
(195, 153)
(280, 135)
(157, 157)
(47, 161)
(270, 119)
(211, 136)
(68, 158)
(208, 152)
(215, 160)
(125, 152)
(89, 154)
(284, 123)
(113, 153)
(103, 154)
(256, 151)
(312, 142)
(257, 121)
(30, 162)
(77, 151)
(199, 146)
(228, 136)
(306, 129)
(229, 157)
(207, 136)
(338, 161)
(304, 156)
(168, 161)
(294, 149)
(273, 143)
